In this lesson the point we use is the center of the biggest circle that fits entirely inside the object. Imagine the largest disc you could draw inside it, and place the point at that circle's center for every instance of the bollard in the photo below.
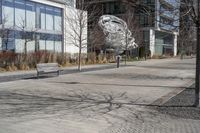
(118, 59)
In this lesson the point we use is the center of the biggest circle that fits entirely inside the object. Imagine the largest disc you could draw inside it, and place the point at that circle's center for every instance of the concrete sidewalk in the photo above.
(137, 98)
(19, 75)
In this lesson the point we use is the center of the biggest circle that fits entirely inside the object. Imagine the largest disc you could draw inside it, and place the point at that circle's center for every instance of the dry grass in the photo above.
(10, 61)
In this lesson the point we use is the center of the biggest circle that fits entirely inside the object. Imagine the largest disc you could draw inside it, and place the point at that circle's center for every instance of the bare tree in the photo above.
(134, 27)
(77, 31)
(186, 39)
(96, 39)
(76, 26)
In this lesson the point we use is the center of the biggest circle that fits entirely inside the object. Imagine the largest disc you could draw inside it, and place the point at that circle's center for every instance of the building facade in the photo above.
(157, 21)
(187, 36)
(34, 25)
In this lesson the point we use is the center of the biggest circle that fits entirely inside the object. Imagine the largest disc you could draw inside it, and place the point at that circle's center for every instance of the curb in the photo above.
(167, 97)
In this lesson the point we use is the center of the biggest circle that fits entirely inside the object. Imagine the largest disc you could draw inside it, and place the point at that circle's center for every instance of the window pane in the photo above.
(31, 46)
(42, 45)
(50, 45)
(8, 41)
(42, 17)
(19, 42)
(19, 45)
(58, 19)
(58, 46)
(8, 12)
(58, 43)
(42, 42)
(50, 42)
(20, 13)
(49, 18)
(30, 15)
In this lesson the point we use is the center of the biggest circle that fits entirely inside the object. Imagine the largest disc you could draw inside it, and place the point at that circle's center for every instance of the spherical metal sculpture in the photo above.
(117, 32)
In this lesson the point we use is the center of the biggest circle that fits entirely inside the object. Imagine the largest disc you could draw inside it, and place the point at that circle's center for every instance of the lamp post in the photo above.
(197, 84)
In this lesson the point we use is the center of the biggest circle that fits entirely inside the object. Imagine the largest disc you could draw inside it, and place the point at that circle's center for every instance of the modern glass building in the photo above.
(157, 20)
(166, 27)
(32, 25)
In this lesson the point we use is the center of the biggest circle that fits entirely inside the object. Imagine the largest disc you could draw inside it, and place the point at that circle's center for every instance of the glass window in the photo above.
(30, 15)
(42, 17)
(58, 19)
(50, 42)
(8, 12)
(19, 45)
(42, 45)
(20, 13)
(58, 46)
(42, 42)
(30, 41)
(31, 46)
(49, 18)
(58, 43)
(146, 36)
(24, 37)
(8, 40)
(143, 20)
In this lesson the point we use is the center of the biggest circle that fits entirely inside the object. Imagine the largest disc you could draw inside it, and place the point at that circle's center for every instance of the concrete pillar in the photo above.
(175, 43)
(152, 41)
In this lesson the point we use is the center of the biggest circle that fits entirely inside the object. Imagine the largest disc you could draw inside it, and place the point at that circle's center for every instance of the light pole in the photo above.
(197, 57)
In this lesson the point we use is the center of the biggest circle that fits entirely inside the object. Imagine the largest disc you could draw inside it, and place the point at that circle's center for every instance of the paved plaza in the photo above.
(153, 96)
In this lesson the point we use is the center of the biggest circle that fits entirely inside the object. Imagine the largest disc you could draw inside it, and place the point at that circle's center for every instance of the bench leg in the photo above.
(37, 75)
(58, 73)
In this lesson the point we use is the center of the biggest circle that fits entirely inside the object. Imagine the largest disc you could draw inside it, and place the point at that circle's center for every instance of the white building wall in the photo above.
(49, 2)
(152, 41)
(175, 43)
(72, 30)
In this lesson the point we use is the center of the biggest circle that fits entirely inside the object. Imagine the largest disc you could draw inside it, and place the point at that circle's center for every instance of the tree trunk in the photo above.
(126, 48)
(79, 59)
(25, 48)
(197, 60)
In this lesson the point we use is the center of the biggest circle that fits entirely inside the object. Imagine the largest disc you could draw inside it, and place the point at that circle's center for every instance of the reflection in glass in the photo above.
(58, 19)
(49, 18)
(30, 15)
(20, 13)
(42, 17)
(8, 12)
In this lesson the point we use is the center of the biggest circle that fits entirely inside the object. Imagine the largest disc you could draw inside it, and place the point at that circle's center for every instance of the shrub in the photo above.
(11, 61)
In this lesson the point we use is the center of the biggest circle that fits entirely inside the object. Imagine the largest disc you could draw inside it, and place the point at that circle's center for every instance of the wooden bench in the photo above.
(45, 68)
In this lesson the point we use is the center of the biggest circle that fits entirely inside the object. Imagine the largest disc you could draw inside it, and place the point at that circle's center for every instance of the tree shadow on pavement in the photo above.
(104, 105)
(107, 105)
